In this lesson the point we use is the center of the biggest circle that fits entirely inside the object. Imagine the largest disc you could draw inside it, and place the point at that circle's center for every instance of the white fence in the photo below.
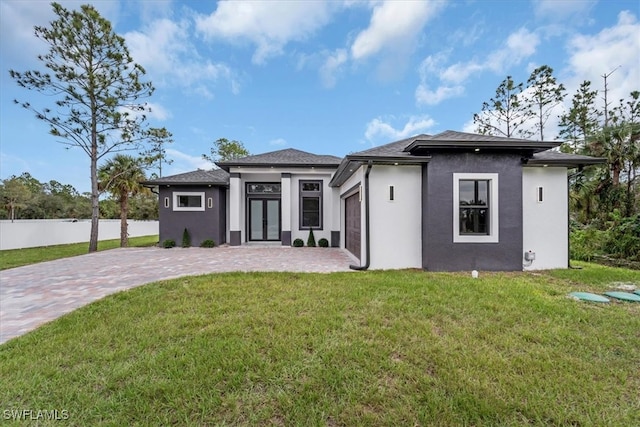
(29, 233)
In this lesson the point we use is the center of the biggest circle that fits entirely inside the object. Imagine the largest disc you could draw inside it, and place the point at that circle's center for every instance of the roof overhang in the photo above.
(152, 184)
(420, 146)
(569, 163)
(351, 163)
(228, 165)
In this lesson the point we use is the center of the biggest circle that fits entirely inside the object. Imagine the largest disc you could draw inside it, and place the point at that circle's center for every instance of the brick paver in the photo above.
(35, 294)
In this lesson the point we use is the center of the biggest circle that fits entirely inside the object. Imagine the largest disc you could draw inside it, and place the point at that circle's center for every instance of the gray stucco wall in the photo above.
(202, 225)
(439, 253)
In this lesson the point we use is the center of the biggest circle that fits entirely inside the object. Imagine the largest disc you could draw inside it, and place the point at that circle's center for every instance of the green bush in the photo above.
(323, 243)
(168, 243)
(298, 243)
(209, 243)
(623, 237)
(617, 238)
(311, 241)
(186, 238)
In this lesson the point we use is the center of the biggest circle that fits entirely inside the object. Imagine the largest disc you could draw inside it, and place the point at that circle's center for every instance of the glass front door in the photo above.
(264, 219)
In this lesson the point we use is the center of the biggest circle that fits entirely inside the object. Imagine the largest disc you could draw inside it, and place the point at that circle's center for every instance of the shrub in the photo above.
(298, 243)
(323, 243)
(186, 238)
(168, 243)
(311, 241)
(586, 243)
(209, 243)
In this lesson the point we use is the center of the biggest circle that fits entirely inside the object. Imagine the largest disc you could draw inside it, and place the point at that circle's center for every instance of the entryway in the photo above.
(264, 219)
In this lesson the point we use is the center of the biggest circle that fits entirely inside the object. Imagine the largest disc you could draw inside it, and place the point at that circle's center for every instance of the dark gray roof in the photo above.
(208, 177)
(556, 158)
(391, 149)
(289, 157)
(450, 139)
(392, 154)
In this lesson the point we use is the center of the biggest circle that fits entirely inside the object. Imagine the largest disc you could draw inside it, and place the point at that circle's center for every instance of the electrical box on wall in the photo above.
(529, 256)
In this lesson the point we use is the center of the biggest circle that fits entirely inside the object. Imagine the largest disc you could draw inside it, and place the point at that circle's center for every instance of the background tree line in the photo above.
(604, 200)
(29, 198)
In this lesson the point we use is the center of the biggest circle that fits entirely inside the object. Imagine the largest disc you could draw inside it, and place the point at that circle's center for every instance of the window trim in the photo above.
(177, 207)
(494, 226)
(310, 194)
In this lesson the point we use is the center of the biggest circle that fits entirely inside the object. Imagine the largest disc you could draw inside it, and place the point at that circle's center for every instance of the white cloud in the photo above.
(164, 49)
(157, 112)
(378, 128)
(333, 64)
(614, 48)
(558, 10)
(278, 141)
(426, 96)
(268, 25)
(449, 80)
(393, 24)
(185, 162)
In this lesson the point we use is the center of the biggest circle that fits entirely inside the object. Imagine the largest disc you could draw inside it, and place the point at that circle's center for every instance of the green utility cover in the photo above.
(586, 296)
(627, 296)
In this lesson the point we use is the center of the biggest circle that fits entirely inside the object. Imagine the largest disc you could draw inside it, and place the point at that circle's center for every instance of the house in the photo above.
(448, 202)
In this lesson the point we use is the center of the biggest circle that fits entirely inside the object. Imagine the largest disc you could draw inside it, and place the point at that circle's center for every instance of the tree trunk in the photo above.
(95, 206)
(124, 232)
(95, 195)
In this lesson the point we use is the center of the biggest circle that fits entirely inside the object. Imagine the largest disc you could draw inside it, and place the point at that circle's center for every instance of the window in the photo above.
(475, 210)
(166, 202)
(311, 204)
(188, 201)
(539, 194)
(263, 188)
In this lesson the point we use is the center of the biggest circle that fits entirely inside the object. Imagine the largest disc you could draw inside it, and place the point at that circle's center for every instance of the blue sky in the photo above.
(329, 77)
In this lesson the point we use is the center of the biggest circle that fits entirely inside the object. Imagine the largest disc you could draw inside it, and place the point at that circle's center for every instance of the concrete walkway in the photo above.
(38, 293)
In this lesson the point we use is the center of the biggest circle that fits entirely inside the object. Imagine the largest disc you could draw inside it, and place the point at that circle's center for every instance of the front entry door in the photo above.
(264, 219)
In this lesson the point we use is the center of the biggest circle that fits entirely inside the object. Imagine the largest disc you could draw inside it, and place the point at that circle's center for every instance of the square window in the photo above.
(475, 208)
(188, 201)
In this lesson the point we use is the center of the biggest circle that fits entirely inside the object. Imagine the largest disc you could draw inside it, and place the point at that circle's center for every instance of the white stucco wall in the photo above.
(29, 233)
(545, 224)
(396, 236)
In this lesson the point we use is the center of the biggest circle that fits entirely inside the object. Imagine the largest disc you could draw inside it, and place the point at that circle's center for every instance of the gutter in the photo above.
(366, 221)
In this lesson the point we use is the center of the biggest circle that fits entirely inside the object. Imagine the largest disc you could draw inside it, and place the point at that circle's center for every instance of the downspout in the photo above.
(366, 221)
(580, 168)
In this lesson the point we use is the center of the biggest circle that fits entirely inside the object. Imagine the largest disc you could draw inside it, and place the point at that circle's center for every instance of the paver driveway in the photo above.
(38, 293)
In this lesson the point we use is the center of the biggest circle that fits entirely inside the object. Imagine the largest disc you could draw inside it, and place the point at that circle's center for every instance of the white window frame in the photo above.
(494, 216)
(176, 194)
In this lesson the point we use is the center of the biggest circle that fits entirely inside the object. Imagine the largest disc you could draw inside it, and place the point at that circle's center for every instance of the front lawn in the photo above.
(11, 258)
(373, 348)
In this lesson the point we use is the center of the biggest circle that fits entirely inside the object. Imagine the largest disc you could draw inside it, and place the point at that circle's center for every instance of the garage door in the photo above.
(352, 224)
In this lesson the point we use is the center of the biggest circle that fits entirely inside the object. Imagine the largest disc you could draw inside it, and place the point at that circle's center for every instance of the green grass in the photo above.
(18, 257)
(373, 348)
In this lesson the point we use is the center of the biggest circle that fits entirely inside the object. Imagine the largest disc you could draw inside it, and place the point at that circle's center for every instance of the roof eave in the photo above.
(536, 146)
(344, 172)
(227, 165)
(570, 163)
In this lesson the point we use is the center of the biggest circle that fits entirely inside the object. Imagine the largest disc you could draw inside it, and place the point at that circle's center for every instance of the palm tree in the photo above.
(121, 176)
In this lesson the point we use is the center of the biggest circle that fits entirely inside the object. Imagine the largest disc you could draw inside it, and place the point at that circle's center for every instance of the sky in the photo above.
(327, 77)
